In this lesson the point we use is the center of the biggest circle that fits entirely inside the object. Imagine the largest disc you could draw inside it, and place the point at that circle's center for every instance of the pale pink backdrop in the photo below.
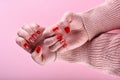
(15, 63)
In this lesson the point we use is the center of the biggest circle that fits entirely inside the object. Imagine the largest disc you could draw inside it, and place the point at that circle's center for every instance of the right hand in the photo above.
(30, 38)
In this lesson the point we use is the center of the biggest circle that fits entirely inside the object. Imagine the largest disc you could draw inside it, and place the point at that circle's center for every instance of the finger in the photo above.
(23, 43)
(38, 31)
(37, 55)
(31, 32)
(55, 47)
(71, 22)
(34, 31)
(68, 17)
(37, 36)
(64, 28)
(65, 22)
(22, 33)
(37, 28)
(48, 33)
(28, 29)
(34, 26)
(50, 41)
(62, 46)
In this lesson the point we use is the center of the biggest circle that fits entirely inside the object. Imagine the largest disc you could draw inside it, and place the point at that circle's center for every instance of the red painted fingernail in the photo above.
(59, 37)
(55, 29)
(34, 36)
(26, 45)
(65, 45)
(31, 39)
(38, 49)
(38, 32)
(62, 41)
(67, 30)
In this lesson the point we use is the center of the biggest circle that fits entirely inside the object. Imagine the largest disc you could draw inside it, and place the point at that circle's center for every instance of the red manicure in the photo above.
(34, 36)
(26, 45)
(55, 29)
(59, 37)
(38, 49)
(31, 39)
(67, 30)
(38, 32)
(63, 41)
(65, 45)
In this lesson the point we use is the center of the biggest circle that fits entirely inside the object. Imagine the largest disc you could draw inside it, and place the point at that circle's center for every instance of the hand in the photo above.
(69, 34)
(30, 38)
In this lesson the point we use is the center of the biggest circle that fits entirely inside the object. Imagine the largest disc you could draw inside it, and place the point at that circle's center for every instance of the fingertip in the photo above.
(19, 40)
(67, 30)
(31, 39)
(47, 42)
(38, 32)
(26, 46)
(64, 43)
(37, 55)
(68, 16)
(34, 36)
(55, 29)
(38, 49)
(59, 37)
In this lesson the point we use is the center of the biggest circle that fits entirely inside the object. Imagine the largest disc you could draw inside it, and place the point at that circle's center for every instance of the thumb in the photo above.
(42, 55)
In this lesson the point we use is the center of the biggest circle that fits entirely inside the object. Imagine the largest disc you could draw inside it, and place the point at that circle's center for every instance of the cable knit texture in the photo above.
(102, 53)
(102, 18)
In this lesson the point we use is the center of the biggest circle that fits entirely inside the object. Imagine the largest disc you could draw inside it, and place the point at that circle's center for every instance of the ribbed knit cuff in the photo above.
(102, 18)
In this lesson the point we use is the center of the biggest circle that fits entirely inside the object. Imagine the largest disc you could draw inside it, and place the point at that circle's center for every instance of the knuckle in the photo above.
(17, 40)
(67, 14)
(19, 33)
(34, 25)
(25, 26)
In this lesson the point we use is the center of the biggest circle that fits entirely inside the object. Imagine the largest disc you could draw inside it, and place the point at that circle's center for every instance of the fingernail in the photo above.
(38, 32)
(38, 49)
(59, 37)
(67, 30)
(62, 41)
(55, 29)
(31, 39)
(65, 45)
(26, 45)
(34, 36)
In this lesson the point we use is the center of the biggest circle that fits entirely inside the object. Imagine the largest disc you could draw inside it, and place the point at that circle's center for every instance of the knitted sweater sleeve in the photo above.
(103, 53)
(102, 18)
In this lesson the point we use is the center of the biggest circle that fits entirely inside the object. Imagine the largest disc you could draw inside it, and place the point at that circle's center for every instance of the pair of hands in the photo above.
(44, 44)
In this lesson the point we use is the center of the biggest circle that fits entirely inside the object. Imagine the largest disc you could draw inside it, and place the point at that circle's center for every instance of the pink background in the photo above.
(17, 64)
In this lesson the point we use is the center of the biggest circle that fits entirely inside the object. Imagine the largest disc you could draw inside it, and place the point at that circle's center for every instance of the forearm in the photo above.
(103, 18)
